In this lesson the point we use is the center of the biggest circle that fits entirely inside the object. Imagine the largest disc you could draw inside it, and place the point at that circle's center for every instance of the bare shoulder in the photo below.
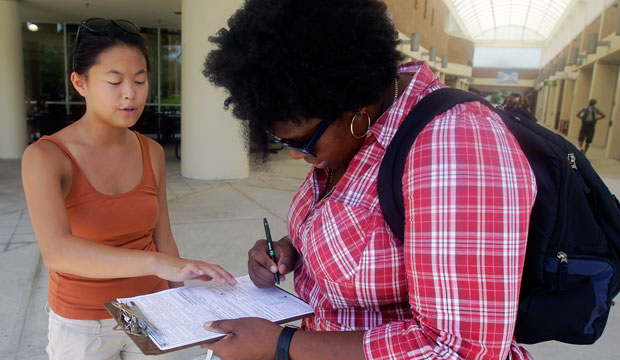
(45, 164)
(43, 155)
(154, 146)
(156, 150)
(158, 159)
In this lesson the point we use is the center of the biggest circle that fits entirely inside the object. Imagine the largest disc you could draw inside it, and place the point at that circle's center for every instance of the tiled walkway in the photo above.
(216, 221)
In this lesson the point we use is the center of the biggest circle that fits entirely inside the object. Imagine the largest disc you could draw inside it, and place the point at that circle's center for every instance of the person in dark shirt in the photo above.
(589, 116)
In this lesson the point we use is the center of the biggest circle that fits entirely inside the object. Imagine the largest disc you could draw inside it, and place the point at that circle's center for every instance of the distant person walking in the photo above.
(589, 116)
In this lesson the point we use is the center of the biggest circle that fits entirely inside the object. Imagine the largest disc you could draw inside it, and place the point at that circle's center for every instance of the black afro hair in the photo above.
(285, 59)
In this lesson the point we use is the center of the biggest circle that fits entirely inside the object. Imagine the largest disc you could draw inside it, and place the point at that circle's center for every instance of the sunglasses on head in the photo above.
(306, 148)
(100, 25)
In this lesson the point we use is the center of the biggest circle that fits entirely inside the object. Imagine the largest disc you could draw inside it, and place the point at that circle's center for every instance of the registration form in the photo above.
(179, 314)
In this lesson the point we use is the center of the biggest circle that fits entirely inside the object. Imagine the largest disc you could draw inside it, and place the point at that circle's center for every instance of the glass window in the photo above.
(76, 111)
(506, 57)
(71, 32)
(46, 74)
(43, 62)
(510, 19)
(170, 66)
(150, 34)
(148, 123)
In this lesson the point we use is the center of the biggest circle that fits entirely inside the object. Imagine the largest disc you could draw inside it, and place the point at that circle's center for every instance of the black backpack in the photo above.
(571, 270)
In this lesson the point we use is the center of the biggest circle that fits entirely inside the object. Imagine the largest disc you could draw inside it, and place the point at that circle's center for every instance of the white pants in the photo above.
(96, 340)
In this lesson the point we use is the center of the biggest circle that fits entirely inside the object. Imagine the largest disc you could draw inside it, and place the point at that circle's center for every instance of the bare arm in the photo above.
(43, 167)
(580, 113)
(254, 338)
(163, 233)
(337, 345)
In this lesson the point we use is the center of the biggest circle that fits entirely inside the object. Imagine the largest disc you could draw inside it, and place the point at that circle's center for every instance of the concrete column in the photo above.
(540, 102)
(442, 77)
(567, 101)
(580, 99)
(552, 104)
(13, 133)
(547, 92)
(212, 146)
(604, 81)
(613, 144)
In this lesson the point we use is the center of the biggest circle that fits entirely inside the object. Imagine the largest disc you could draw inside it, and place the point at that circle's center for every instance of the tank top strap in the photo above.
(149, 175)
(74, 163)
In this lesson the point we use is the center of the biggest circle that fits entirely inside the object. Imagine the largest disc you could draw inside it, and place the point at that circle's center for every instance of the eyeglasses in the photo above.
(100, 25)
(300, 148)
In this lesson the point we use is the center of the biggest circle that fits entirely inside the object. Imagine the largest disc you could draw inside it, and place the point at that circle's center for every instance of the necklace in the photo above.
(328, 184)
(395, 97)
(395, 91)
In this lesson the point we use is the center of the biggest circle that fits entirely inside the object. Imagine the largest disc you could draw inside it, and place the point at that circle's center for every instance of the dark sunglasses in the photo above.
(305, 149)
(100, 25)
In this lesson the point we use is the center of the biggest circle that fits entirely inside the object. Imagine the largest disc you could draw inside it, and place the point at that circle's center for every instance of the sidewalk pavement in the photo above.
(215, 221)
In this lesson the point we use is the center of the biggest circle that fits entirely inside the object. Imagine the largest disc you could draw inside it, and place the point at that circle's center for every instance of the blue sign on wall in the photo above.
(507, 76)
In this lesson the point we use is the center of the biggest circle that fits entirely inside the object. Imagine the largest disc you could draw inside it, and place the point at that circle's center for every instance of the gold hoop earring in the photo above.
(367, 130)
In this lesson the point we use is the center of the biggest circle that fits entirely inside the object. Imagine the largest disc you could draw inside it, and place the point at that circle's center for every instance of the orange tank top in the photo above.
(125, 220)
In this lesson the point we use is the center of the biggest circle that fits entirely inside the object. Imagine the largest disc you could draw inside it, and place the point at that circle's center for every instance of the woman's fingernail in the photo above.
(273, 268)
(207, 325)
(282, 269)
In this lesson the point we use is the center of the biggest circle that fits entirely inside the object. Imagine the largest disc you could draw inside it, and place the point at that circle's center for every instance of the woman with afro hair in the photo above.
(323, 79)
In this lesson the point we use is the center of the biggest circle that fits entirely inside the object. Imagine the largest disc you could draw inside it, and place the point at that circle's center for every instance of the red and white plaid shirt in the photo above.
(452, 290)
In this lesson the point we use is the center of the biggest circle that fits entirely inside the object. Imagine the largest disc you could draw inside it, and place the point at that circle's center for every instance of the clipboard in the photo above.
(141, 339)
(132, 321)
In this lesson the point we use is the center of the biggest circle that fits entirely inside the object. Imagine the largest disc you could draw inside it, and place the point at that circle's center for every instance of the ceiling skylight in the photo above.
(510, 20)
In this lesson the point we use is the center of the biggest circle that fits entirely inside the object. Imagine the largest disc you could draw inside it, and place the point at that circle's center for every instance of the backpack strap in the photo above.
(389, 181)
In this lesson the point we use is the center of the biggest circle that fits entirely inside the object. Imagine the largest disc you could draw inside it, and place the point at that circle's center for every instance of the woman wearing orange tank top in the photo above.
(96, 193)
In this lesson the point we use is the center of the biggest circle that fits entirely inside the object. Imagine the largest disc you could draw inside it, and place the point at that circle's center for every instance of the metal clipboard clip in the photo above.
(131, 320)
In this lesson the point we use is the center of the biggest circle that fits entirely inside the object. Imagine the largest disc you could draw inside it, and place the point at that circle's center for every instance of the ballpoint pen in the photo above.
(270, 251)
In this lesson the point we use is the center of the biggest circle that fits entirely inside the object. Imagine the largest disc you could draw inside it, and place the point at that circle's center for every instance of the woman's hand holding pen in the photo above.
(261, 268)
(174, 268)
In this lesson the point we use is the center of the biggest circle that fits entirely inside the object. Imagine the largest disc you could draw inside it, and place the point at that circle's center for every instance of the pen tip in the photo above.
(264, 220)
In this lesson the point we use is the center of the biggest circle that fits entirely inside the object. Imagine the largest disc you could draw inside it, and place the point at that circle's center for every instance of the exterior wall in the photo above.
(460, 51)
(596, 75)
(552, 104)
(594, 27)
(429, 17)
(580, 99)
(567, 101)
(613, 145)
(540, 102)
(604, 80)
(580, 14)
(610, 20)
(13, 138)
